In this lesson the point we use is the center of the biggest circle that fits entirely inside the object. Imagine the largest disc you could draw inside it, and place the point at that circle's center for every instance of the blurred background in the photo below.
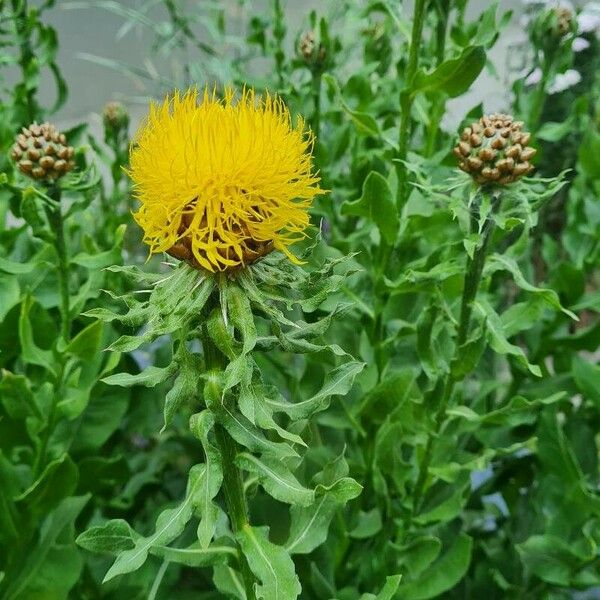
(123, 50)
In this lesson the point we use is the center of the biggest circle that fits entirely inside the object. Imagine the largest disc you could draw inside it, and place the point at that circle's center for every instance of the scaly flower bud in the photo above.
(41, 152)
(495, 150)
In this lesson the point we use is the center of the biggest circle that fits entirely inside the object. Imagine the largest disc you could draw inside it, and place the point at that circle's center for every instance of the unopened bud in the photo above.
(501, 153)
(35, 151)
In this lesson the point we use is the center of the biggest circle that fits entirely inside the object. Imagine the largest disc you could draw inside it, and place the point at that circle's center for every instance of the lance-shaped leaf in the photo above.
(253, 400)
(185, 386)
(337, 383)
(500, 262)
(245, 433)
(169, 525)
(498, 339)
(149, 377)
(376, 204)
(454, 76)
(443, 574)
(270, 563)
(197, 556)
(310, 524)
(276, 478)
(240, 314)
(31, 353)
(112, 537)
(201, 425)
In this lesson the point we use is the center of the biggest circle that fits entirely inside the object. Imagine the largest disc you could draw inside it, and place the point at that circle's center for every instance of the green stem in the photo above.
(55, 217)
(438, 103)
(539, 97)
(233, 483)
(474, 271)
(279, 35)
(26, 55)
(406, 102)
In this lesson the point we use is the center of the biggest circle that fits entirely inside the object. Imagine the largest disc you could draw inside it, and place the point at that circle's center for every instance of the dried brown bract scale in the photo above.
(248, 251)
(41, 152)
(495, 150)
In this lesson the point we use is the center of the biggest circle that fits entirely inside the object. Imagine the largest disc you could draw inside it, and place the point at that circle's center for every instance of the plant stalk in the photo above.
(539, 96)
(279, 35)
(473, 274)
(26, 55)
(233, 483)
(55, 217)
(406, 102)
(438, 102)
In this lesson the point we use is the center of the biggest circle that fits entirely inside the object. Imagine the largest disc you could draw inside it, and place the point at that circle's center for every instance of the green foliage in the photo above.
(410, 413)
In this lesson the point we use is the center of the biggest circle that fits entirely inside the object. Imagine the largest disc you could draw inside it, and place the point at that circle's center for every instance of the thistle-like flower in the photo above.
(41, 152)
(495, 150)
(222, 182)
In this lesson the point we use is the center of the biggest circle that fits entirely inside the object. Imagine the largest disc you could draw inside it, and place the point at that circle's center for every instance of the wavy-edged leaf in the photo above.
(337, 383)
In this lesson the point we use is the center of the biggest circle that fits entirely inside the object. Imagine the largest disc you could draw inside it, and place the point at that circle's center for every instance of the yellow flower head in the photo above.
(222, 182)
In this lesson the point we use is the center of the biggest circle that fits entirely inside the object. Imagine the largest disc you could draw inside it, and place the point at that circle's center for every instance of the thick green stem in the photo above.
(539, 96)
(474, 271)
(279, 36)
(233, 483)
(406, 102)
(55, 217)
(438, 102)
(26, 55)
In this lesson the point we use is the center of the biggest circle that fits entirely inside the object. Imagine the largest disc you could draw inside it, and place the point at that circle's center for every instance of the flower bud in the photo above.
(41, 152)
(312, 53)
(115, 116)
(495, 150)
